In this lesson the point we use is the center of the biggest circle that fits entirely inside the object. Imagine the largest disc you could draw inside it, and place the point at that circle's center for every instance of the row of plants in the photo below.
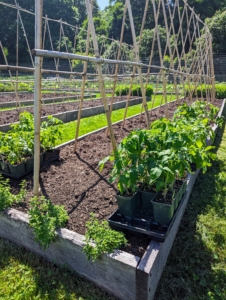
(205, 89)
(21, 86)
(150, 165)
(17, 145)
(123, 90)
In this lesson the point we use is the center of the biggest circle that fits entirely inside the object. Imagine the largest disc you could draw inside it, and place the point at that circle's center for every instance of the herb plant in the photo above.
(6, 197)
(106, 239)
(45, 218)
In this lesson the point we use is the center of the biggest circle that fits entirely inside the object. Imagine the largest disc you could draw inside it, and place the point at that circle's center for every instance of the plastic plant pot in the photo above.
(128, 205)
(163, 212)
(146, 200)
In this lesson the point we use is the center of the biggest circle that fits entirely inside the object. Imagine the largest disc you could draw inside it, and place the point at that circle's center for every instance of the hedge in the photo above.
(220, 90)
(123, 90)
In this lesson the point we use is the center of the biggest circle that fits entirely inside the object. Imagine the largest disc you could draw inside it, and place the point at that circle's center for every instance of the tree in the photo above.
(217, 26)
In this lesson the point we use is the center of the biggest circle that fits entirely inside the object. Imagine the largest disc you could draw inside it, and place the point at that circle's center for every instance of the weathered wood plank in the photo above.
(115, 273)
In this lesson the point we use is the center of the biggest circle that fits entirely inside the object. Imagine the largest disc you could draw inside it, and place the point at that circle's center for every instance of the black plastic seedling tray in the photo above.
(27, 172)
(143, 223)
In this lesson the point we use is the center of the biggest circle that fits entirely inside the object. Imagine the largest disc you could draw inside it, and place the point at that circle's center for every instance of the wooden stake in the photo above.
(137, 59)
(83, 88)
(100, 77)
(37, 94)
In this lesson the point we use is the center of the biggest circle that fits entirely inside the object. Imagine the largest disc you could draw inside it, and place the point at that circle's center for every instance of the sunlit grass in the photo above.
(96, 122)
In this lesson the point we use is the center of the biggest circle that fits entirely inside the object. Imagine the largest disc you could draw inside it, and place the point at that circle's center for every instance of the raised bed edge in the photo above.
(155, 257)
(115, 273)
(72, 115)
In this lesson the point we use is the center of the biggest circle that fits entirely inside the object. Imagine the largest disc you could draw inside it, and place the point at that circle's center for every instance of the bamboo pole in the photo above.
(37, 94)
(100, 77)
(98, 61)
(25, 34)
(137, 59)
(17, 48)
(10, 74)
(83, 87)
(118, 57)
(213, 94)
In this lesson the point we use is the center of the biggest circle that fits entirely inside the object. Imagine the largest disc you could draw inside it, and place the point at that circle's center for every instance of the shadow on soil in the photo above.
(189, 273)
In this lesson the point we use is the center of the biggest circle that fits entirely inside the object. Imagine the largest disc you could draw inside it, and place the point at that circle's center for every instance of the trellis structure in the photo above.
(184, 57)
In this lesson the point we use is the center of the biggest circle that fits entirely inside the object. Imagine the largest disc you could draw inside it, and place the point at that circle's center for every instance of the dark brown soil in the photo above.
(11, 97)
(76, 182)
(11, 116)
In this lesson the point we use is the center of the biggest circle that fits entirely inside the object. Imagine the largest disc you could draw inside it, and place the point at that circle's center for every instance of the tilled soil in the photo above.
(12, 115)
(76, 182)
(11, 97)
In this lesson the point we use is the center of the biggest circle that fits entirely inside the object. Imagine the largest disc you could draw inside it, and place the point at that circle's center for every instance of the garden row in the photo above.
(151, 165)
(17, 145)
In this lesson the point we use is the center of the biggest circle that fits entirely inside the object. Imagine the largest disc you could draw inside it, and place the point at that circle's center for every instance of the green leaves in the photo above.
(153, 158)
(45, 218)
(18, 144)
(6, 197)
(105, 239)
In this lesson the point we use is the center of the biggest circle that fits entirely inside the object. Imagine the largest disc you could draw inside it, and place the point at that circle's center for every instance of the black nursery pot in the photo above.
(17, 170)
(146, 200)
(128, 205)
(4, 167)
(163, 212)
(29, 164)
(51, 155)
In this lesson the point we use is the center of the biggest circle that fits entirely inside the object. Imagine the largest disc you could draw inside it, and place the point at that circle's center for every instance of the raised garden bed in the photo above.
(133, 275)
(66, 112)
(50, 100)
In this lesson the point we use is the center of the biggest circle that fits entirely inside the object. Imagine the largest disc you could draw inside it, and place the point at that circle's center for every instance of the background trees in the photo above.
(107, 22)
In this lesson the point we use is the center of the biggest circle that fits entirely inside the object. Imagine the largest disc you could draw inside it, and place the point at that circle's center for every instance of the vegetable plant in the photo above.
(6, 197)
(152, 159)
(106, 239)
(18, 144)
(45, 218)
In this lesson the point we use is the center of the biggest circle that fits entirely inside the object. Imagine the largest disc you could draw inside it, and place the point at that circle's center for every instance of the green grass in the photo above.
(196, 268)
(96, 122)
(24, 276)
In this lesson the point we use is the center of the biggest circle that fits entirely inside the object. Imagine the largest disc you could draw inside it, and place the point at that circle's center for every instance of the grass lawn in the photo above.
(196, 268)
(96, 122)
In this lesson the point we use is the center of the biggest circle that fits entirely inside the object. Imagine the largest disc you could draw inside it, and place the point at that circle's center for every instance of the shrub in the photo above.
(136, 90)
(200, 90)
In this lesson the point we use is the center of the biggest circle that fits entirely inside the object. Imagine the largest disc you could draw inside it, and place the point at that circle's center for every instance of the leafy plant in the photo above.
(154, 158)
(106, 239)
(6, 197)
(136, 90)
(18, 144)
(45, 218)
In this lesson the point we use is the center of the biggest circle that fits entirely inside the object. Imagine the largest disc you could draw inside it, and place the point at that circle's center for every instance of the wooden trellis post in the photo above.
(137, 60)
(100, 76)
(83, 88)
(37, 94)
